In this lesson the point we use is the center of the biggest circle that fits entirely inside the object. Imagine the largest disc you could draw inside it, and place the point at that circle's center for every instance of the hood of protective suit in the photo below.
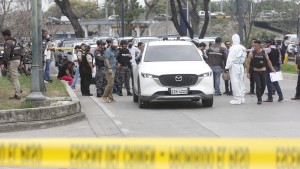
(236, 39)
(237, 52)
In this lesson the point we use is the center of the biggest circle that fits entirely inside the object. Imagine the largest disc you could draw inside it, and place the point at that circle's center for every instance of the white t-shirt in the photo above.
(134, 51)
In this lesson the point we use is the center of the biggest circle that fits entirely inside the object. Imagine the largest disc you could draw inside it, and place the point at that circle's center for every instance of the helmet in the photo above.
(108, 40)
(123, 42)
(100, 42)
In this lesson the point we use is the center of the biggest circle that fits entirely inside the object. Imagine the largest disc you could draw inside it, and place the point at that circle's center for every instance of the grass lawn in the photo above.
(286, 68)
(55, 89)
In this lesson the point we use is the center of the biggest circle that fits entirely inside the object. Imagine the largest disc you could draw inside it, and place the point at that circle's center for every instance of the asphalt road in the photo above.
(188, 119)
(181, 119)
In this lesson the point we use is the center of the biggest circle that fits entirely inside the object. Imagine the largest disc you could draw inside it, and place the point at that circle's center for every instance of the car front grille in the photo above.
(178, 80)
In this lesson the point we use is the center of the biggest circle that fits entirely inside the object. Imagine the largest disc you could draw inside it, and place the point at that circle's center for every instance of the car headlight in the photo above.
(147, 75)
(208, 74)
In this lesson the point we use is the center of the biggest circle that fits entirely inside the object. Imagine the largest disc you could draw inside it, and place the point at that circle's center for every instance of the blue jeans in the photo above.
(77, 74)
(47, 70)
(217, 70)
(276, 85)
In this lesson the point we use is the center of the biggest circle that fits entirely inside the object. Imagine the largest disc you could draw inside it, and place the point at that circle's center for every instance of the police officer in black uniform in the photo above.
(124, 66)
(86, 70)
(100, 67)
(260, 64)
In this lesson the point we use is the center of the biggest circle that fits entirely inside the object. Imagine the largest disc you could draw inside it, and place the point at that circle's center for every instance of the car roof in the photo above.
(162, 43)
(150, 37)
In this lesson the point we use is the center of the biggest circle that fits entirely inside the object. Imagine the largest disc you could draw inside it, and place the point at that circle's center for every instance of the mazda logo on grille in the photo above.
(178, 78)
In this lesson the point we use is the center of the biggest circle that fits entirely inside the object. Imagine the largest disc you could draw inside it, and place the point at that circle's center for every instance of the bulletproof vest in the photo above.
(99, 63)
(84, 62)
(123, 57)
(16, 51)
(274, 56)
(259, 60)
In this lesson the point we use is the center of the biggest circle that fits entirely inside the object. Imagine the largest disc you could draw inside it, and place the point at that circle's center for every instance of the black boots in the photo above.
(129, 93)
(100, 93)
(119, 92)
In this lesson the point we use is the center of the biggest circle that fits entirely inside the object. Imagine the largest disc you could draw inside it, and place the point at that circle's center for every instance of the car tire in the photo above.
(135, 97)
(207, 102)
(142, 103)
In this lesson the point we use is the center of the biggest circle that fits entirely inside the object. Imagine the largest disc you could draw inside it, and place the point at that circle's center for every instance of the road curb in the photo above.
(61, 112)
(289, 76)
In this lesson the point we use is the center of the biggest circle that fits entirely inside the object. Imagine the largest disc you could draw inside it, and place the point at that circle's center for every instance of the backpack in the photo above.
(259, 59)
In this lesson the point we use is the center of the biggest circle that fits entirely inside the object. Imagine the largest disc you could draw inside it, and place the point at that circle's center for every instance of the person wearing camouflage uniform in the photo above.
(124, 66)
(100, 68)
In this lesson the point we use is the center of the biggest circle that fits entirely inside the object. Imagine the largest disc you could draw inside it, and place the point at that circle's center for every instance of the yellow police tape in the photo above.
(152, 153)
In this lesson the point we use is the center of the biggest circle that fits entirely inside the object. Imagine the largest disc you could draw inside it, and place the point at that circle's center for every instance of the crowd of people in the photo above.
(114, 67)
(258, 61)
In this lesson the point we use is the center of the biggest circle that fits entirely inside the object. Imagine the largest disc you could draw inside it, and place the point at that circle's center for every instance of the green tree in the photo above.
(132, 10)
(82, 9)
(66, 9)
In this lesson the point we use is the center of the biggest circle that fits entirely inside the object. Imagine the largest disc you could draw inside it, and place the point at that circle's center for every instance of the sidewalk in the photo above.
(96, 124)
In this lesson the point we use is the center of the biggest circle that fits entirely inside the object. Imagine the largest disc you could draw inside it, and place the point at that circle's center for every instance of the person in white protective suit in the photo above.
(235, 64)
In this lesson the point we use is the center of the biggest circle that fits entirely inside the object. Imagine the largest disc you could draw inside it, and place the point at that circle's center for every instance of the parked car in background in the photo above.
(206, 41)
(172, 70)
(64, 19)
(54, 21)
(113, 18)
(104, 38)
(124, 38)
(144, 40)
(161, 17)
(202, 14)
(292, 47)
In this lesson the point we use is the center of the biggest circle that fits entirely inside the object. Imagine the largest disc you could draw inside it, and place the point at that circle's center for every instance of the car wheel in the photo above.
(135, 97)
(207, 102)
(142, 103)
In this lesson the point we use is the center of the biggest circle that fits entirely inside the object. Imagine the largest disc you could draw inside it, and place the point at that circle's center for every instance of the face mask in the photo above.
(130, 45)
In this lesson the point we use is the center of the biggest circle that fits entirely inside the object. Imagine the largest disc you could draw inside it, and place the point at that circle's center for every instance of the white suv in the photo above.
(172, 70)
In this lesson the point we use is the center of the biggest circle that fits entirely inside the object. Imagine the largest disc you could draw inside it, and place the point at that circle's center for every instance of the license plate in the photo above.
(175, 91)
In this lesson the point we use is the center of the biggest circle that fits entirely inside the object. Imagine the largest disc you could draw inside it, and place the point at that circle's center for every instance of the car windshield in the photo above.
(172, 53)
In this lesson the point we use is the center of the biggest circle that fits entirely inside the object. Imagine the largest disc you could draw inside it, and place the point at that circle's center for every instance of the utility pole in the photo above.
(239, 9)
(167, 17)
(187, 16)
(298, 44)
(122, 19)
(106, 11)
(35, 88)
(221, 5)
